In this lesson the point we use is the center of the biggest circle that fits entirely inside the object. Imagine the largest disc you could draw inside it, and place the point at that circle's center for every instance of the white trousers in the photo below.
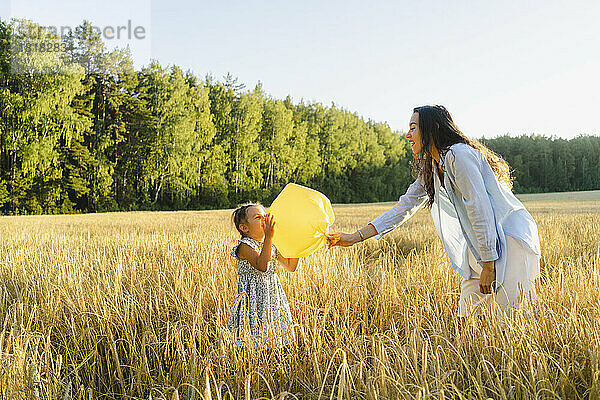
(518, 288)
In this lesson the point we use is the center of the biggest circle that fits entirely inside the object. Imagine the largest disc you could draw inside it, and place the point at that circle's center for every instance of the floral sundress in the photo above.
(260, 312)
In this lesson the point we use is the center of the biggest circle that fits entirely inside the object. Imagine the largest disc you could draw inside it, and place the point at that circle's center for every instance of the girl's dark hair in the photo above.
(239, 215)
(438, 129)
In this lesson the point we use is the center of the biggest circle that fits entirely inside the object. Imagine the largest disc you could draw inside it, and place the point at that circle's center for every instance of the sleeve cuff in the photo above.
(379, 227)
(489, 255)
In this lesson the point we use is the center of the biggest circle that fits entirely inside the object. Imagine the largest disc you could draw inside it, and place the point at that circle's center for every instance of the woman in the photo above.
(490, 238)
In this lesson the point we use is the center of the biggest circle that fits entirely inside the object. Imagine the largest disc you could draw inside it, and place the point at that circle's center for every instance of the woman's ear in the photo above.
(244, 228)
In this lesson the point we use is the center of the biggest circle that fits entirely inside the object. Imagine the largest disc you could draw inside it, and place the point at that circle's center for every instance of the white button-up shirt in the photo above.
(474, 211)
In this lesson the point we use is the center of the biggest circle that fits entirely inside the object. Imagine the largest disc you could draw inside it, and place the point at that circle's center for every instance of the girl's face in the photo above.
(253, 227)
(414, 134)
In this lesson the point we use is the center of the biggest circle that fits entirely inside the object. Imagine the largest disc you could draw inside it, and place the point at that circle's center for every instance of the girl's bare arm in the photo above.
(289, 263)
(258, 261)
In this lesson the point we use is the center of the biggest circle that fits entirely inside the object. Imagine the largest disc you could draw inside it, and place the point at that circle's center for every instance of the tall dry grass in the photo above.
(133, 305)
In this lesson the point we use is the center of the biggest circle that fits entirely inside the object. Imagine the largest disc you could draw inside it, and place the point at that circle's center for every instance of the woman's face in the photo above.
(414, 134)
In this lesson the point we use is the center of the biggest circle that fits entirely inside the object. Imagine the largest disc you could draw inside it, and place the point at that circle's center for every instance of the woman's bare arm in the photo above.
(349, 239)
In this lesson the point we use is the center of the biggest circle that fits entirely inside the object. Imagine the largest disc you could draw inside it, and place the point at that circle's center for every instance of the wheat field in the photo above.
(134, 306)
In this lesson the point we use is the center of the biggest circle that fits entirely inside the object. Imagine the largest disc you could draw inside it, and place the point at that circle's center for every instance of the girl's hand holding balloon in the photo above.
(269, 226)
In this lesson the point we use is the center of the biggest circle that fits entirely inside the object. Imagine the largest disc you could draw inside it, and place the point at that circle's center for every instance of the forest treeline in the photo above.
(96, 135)
(544, 164)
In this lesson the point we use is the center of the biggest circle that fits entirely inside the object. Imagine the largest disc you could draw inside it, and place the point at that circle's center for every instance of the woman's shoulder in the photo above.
(460, 150)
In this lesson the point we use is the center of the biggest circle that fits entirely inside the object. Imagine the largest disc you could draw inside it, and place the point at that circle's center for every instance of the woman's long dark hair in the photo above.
(438, 129)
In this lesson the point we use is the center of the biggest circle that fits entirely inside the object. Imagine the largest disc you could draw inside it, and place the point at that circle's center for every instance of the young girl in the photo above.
(261, 311)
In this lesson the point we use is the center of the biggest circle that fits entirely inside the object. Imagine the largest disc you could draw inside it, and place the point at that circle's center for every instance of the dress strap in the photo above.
(249, 241)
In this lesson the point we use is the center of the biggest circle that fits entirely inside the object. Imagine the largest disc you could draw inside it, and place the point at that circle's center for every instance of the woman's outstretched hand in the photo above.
(340, 239)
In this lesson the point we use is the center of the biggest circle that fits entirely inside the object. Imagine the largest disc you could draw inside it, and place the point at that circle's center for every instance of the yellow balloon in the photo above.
(302, 218)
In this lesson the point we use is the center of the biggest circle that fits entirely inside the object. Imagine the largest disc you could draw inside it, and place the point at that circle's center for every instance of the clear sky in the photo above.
(516, 67)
